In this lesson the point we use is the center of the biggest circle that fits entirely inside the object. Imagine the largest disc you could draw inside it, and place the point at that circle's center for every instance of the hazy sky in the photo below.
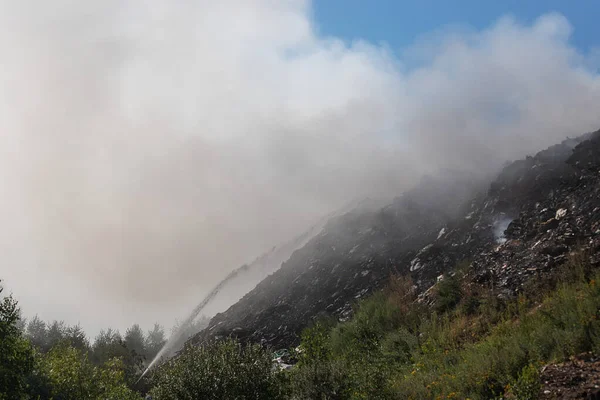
(149, 147)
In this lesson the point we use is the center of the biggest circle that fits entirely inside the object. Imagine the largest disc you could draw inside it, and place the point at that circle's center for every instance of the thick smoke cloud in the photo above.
(150, 147)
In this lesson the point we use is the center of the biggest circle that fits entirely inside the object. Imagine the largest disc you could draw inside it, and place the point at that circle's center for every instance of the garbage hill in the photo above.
(519, 225)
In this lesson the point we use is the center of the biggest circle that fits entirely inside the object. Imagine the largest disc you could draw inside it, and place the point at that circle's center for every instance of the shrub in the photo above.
(449, 294)
(527, 386)
(391, 349)
(374, 318)
(223, 370)
(470, 305)
(398, 346)
(315, 343)
(325, 380)
(71, 375)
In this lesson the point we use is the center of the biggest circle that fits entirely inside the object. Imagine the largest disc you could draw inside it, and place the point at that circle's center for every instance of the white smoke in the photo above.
(150, 147)
(500, 225)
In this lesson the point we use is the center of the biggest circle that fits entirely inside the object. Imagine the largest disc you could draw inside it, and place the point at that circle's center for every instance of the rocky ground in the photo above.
(578, 378)
(539, 213)
(536, 214)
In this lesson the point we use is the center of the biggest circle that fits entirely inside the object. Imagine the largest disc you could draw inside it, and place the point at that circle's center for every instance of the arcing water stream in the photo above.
(264, 265)
(184, 327)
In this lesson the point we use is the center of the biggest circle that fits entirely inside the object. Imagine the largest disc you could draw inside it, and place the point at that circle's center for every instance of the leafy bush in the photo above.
(394, 350)
(564, 324)
(224, 370)
(325, 380)
(72, 376)
(316, 346)
(449, 294)
(527, 386)
(470, 305)
(398, 346)
(375, 317)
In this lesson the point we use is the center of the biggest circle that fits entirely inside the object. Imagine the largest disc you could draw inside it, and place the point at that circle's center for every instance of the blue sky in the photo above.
(398, 22)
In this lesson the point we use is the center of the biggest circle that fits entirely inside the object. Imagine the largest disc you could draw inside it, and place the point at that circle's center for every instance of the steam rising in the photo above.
(150, 147)
(500, 226)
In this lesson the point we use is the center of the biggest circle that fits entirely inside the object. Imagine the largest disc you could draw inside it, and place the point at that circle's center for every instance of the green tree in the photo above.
(55, 334)
(70, 372)
(16, 353)
(135, 340)
(155, 341)
(76, 337)
(36, 332)
(73, 377)
(224, 370)
(108, 344)
(134, 361)
(111, 378)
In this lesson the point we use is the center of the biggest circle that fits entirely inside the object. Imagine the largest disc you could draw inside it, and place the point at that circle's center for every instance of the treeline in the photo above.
(55, 370)
(135, 348)
(466, 343)
(54, 361)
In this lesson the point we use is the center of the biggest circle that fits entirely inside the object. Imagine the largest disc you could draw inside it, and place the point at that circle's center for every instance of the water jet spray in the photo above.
(183, 328)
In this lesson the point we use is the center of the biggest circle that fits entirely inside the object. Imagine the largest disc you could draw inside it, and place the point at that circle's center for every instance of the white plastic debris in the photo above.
(561, 213)
(442, 232)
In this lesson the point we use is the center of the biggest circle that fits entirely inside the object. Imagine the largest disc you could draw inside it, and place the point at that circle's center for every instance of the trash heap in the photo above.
(537, 214)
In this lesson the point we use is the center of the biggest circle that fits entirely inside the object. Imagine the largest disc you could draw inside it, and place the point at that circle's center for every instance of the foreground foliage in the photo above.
(16, 354)
(63, 373)
(469, 344)
(392, 350)
(71, 376)
(226, 370)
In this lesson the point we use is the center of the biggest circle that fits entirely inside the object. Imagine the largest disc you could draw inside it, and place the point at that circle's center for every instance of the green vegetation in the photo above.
(527, 386)
(225, 370)
(71, 376)
(469, 344)
(51, 361)
(16, 354)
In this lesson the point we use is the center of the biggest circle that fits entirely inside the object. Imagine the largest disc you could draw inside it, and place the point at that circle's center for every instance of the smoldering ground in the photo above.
(150, 147)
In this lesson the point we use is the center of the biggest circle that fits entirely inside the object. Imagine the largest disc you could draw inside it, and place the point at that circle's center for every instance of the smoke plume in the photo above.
(150, 147)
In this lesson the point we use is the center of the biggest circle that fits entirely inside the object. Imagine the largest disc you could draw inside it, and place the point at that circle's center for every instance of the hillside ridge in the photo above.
(521, 225)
